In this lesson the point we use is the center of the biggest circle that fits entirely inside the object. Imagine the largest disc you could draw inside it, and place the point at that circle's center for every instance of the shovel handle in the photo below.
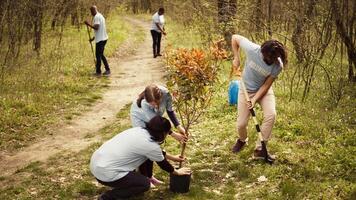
(91, 45)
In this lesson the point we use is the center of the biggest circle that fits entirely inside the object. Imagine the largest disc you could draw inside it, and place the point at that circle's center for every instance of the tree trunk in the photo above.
(37, 29)
(269, 22)
(134, 5)
(346, 36)
(146, 6)
(226, 15)
(297, 36)
(258, 19)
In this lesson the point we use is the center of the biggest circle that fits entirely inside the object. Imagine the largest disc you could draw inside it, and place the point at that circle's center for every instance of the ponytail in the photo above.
(276, 51)
(151, 93)
(140, 98)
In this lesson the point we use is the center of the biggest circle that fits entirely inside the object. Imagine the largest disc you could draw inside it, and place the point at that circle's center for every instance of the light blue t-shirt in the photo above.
(144, 114)
(124, 153)
(256, 70)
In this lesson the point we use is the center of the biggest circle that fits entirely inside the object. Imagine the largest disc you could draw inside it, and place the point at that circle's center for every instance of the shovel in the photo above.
(91, 45)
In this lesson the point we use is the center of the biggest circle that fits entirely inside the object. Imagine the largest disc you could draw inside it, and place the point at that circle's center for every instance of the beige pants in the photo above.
(268, 105)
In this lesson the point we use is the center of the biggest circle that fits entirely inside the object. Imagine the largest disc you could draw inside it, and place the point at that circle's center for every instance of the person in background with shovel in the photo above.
(263, 65)
(114, 163)
(157, 29)
(100, 38)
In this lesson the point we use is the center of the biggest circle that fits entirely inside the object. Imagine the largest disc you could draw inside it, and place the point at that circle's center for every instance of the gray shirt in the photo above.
(124, 153)
(144, 114)
(256, 70)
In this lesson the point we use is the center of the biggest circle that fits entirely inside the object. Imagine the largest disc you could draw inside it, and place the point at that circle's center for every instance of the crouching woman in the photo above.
(114, 163)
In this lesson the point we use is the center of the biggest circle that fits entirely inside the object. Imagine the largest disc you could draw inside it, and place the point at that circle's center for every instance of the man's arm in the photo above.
(160, 28)
(95, 26)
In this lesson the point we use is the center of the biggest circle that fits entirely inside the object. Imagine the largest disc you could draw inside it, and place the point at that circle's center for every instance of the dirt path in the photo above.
(129, 77)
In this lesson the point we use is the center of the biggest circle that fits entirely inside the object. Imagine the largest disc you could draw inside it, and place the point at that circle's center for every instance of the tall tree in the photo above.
(37, 10)
(346, 30)
(226, 16)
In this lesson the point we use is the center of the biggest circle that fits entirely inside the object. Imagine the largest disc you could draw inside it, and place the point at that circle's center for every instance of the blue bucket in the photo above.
(233, 92)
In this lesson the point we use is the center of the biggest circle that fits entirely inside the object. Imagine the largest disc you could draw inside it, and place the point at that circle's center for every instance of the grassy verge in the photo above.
(39, 91)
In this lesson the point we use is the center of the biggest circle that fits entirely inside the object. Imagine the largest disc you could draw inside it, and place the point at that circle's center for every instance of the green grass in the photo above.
(39, 91)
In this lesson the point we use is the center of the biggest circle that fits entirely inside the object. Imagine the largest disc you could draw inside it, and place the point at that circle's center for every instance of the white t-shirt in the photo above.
(100, 34)
(124, 153)
(157, 19)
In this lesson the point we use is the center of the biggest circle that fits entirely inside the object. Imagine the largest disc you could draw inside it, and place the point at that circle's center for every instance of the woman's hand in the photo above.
(251, 104)
(179, 137)
(182, 171)
(181, 130)
(236, 63)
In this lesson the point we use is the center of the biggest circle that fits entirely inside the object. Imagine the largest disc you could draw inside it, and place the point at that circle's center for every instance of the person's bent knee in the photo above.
(270, 117)
(242, 125)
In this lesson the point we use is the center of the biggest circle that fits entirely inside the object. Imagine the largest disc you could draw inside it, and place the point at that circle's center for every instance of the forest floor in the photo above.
(132, 69)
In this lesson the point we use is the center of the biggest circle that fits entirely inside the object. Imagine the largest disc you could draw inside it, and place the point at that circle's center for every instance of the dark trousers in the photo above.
(131, 184)
(156, 37)
(99, 53)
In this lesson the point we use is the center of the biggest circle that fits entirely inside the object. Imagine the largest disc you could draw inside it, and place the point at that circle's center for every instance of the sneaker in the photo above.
(155, 181)
(106, 73)
(154, 56)
(260, 155)
(238, 146)
(100, 197)
(159, 54)
(97, 74)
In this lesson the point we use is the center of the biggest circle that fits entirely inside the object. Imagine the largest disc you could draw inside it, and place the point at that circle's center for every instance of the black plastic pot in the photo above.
(179, 184)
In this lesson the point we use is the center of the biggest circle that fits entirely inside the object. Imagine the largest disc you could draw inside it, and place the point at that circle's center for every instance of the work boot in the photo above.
(259, 154)
(97, 74)
(238, 146)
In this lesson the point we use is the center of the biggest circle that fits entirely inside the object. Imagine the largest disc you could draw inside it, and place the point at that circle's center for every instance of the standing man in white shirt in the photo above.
(100, 38)
(157, 29)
